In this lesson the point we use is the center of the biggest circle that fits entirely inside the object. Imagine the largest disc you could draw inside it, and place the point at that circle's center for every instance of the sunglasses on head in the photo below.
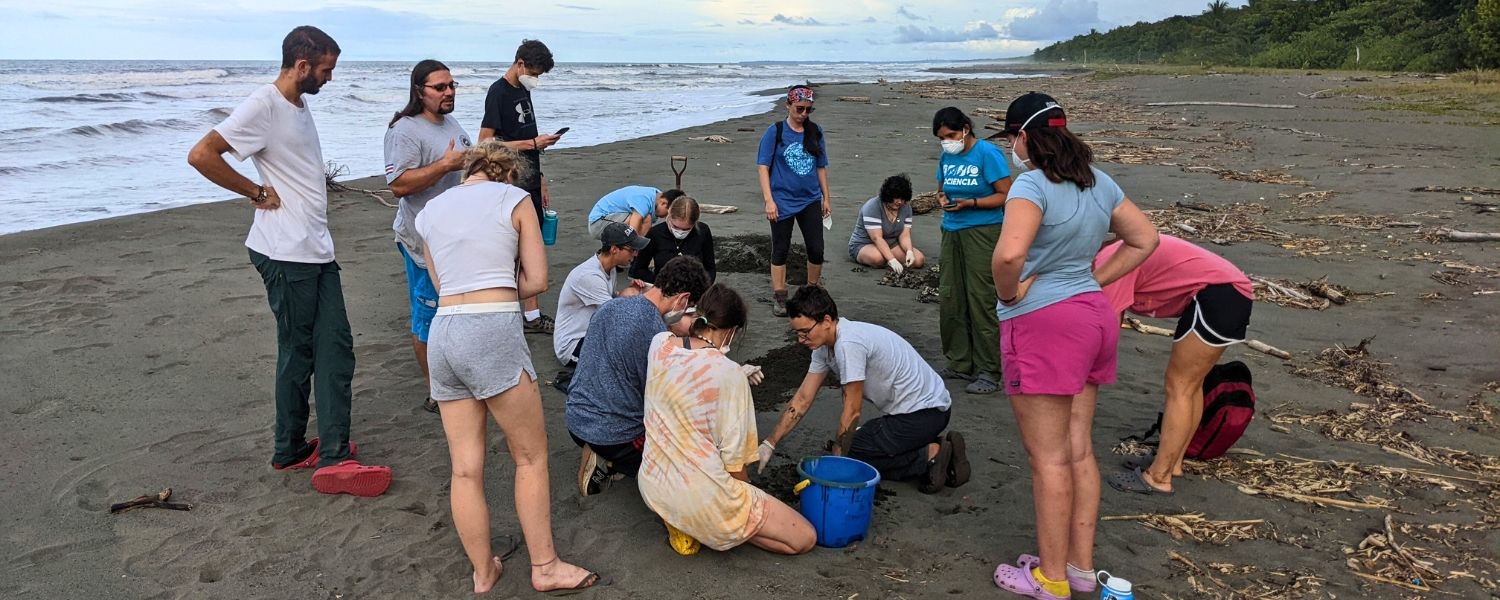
(443, 87)
(803, 109)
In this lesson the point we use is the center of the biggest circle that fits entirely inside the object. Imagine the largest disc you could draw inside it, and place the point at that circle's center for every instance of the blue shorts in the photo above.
(424, 298)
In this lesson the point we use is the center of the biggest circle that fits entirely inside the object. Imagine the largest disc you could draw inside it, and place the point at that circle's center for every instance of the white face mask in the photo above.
(680, 234)
(952, 146)
(529, 81)
(1016, 158)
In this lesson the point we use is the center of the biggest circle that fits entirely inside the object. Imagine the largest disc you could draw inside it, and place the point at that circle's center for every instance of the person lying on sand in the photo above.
(606, 398)
(882, 233)
(1213, 299)
(874, 364)
(700, 435)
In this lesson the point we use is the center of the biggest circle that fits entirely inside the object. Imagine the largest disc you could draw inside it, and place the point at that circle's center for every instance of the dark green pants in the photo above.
(314, 351)
(966, 310)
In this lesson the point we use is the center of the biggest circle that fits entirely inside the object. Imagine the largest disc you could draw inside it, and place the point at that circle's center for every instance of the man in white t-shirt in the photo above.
(424, 156)
(589, 285)
(290, 246)
(875, 364)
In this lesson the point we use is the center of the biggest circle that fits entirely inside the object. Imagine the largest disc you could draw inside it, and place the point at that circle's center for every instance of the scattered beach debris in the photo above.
(332, 171)
(717, 139)
(1223, 225)
(1315, 197)
(1254, 176)
(1132, 154)
(1307, 482)
(926, 202)
(1275, 584)
(157, 500)
(1196, 527)
(1381, 558)
(1317, 294)
(1212, 103)
(1352, 221)
(925, 281)
(862, 99)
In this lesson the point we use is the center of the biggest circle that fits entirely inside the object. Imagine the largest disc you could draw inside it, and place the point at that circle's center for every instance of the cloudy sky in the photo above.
(576, 30)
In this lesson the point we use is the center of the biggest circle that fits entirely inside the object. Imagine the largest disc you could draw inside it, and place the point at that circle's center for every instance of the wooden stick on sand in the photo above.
(1256, 345)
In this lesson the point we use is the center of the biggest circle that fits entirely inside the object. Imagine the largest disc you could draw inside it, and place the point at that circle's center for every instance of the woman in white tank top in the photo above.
(486, 257)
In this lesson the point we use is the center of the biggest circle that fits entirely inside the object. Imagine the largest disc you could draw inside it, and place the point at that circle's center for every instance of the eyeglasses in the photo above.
(804, 109)
(806, 333)
(443, 87)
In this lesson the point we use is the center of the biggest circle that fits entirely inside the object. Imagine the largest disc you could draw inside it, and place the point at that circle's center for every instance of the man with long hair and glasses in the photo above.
(424, 149)
(290, 246)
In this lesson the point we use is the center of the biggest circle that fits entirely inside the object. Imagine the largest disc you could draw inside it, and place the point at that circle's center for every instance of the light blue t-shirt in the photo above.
(1075, 222)
(794, 172)
(972, 175)
(638, 198)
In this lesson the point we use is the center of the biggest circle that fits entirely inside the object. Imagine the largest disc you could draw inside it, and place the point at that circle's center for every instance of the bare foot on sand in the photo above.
(483, 584)
(557, 575)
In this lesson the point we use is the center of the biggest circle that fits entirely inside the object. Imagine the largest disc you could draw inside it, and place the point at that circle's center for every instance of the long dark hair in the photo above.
(952, 118)
(1060, 155)
(814, 134)
(419, 75)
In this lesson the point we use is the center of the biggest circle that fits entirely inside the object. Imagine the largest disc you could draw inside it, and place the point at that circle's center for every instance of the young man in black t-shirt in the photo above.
(508, 115)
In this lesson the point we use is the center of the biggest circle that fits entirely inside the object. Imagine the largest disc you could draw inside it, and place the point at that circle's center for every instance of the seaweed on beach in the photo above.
(925, 281)
(1196, 527)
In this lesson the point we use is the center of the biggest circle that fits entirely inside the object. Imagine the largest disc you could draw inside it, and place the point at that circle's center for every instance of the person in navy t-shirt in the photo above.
(973, 177)
(793, 164)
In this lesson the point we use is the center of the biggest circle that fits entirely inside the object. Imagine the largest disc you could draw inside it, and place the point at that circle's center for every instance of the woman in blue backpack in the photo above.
(793, 165)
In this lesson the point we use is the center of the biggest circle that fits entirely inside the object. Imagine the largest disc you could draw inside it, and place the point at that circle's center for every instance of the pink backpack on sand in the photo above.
(1228, 407)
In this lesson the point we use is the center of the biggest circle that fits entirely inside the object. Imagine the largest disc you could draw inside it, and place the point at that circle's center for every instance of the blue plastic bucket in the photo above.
(837, 495)
(549, 227)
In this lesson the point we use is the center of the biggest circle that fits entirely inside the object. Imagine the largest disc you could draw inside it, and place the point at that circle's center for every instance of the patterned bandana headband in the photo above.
(799, 94)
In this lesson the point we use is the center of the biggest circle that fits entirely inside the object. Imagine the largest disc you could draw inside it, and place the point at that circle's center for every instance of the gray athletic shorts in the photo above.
(477, 351)
(597, 227)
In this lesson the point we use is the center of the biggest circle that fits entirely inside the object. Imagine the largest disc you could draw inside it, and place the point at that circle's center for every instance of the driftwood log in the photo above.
(157, 500)
(1257, 345)
(1454, 235)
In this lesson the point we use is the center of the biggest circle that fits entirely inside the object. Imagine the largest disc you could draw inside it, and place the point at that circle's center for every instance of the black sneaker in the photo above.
(542, 324)
(593, 474)
(431, 406)
(778, 304)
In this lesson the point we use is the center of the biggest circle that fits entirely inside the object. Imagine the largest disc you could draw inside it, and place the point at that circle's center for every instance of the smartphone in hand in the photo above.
(561, 131)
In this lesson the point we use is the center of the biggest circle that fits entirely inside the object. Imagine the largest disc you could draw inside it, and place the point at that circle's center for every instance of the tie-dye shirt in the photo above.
(700, 426)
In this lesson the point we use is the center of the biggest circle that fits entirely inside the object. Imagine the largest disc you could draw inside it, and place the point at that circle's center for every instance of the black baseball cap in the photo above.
(620, 234)
(1033, 110)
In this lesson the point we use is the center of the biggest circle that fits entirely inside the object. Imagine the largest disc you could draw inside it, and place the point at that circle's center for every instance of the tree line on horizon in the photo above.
(1390, 35)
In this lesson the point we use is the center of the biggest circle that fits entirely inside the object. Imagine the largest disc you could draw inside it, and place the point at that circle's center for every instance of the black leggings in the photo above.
(810, 221)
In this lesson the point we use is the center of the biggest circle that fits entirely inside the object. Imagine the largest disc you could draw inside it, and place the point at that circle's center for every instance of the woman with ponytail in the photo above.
(484, 252)
(1058, 333)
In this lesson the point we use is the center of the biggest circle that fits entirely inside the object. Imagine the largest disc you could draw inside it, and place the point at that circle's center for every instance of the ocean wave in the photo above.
(133, 126)
(106, 79)
(89, 98)
(92, 161)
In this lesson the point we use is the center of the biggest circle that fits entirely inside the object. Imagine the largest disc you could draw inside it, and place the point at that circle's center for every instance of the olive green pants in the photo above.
(966, 312)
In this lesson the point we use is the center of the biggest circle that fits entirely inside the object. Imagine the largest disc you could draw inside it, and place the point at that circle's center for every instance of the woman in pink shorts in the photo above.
(1058, 332)
(1213, 299)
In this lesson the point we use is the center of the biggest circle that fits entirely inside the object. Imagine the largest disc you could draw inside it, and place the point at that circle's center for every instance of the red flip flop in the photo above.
(350, 477)
(312, 458)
